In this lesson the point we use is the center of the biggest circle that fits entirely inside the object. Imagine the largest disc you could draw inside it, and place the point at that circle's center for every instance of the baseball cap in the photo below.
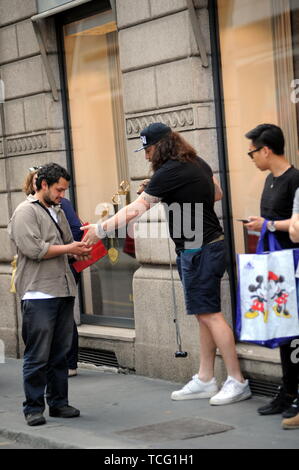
(152, 134)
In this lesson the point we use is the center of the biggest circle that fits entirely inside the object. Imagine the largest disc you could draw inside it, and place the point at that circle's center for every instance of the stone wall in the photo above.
(163, 80)
(31, 133)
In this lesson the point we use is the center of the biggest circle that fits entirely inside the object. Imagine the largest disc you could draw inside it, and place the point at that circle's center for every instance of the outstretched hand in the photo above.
(91, 237)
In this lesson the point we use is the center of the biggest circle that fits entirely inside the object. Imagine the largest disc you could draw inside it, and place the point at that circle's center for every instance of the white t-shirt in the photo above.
(35, 295)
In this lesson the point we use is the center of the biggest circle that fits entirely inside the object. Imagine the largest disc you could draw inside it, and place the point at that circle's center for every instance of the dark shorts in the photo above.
(201, 274)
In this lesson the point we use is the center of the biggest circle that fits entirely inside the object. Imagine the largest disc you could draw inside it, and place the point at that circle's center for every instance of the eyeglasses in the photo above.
(250, 154)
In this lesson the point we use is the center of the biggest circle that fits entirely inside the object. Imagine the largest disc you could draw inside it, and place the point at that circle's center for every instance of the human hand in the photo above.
(255, 223)
(93, 233)
(82, 258)
(79, 249)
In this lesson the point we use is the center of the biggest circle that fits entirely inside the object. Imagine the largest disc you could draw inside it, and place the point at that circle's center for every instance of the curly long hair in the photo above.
(172, 147)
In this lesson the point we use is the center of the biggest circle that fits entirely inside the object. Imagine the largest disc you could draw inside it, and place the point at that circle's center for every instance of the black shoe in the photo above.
(293, 410)
(280, 403)
(35, 419)
(64, 412)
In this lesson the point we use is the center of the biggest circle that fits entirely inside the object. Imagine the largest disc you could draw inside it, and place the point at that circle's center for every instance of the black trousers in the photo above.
(290, 368)
(47, 333)
(72, 356)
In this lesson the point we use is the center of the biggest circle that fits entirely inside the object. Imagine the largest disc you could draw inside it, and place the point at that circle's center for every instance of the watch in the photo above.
(271, 226)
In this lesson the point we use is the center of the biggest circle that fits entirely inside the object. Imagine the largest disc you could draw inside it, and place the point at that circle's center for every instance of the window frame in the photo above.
(223, 154)
(66, 17)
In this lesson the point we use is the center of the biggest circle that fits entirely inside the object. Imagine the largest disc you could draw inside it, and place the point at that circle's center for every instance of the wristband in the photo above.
(100, 232)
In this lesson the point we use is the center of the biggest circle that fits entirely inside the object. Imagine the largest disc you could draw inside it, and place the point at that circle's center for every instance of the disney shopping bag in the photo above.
(267, 305)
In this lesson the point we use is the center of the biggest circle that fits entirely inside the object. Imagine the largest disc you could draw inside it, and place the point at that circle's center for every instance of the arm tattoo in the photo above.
(150, 199)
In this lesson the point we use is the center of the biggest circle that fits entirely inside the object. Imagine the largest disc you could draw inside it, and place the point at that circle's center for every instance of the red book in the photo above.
(98, 251)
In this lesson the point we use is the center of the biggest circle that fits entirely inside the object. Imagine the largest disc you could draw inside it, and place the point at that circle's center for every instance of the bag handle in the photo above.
(274, 245)
(49, 214)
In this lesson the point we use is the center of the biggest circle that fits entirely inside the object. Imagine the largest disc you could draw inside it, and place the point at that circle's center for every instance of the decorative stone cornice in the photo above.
(34, 143)
(175, 119)
(190, 117)
(27, 144)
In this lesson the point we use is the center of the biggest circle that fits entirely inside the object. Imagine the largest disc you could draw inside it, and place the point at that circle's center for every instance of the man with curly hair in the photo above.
(185, 184)
(47, 289)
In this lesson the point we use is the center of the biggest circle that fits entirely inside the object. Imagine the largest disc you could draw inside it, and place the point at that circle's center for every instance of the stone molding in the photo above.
(27, 144)
(188, 117)
(33, 143)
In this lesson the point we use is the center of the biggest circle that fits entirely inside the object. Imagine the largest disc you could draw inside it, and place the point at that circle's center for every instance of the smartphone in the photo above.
(245, 221)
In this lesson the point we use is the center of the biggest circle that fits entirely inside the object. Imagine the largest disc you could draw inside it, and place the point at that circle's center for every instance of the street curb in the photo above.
(34, 441)
(57, 436)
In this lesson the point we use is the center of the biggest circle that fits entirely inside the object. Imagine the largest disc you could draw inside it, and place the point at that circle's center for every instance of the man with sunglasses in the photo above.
(266, 149)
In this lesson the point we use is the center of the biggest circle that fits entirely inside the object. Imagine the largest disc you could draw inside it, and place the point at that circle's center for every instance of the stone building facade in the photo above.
(168, 74)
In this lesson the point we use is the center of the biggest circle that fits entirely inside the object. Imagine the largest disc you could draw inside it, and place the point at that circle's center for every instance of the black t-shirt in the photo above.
(181, 185)
(277, 201)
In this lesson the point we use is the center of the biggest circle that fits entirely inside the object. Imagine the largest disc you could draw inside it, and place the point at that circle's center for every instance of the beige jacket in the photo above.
(33, 232)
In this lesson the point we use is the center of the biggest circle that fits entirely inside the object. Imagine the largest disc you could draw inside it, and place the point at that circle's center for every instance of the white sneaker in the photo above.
(196, 389)
(231, 392)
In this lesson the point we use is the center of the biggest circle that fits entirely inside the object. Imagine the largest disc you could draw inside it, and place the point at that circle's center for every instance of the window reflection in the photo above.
(259, 58)
(99, 157)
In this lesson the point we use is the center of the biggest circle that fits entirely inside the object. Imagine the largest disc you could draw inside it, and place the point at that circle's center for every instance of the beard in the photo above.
(48, 200)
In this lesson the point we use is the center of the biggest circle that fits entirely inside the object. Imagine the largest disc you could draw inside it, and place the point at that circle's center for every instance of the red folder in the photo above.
(98, 251)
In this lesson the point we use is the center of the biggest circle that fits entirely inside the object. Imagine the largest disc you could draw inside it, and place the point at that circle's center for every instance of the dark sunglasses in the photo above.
(250, 154)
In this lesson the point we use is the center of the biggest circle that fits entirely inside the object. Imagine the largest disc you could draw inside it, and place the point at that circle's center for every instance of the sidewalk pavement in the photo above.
(131, 412)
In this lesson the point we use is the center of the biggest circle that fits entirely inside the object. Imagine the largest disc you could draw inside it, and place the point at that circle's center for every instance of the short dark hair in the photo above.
(51, 172)
(267, 135)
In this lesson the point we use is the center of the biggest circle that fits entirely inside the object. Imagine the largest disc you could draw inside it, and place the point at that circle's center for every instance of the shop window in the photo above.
(96, 117)
(259, 62)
